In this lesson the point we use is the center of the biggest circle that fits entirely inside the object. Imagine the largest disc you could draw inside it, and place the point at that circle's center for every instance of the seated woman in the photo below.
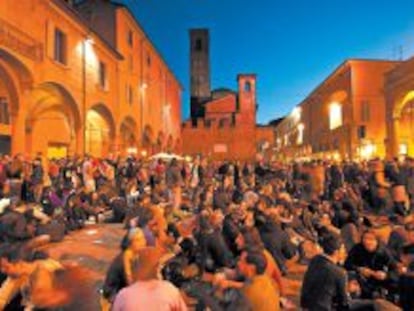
(374, 266)
(120, 273)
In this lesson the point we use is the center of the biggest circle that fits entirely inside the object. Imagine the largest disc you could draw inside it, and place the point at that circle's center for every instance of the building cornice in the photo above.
(83, 24)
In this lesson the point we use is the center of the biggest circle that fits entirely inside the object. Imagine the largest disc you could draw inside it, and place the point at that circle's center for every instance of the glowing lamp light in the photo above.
(301, 127)
(278, 142)
(144, 86)
(132, 150)
(367, 151)
(335, 115)
(144, 153)
(403, 149)
(188, 159)
(296, 113)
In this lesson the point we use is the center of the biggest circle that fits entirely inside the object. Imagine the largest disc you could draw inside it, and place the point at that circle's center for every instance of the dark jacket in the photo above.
(115, 278)
(14, 227)
(215, 252)
(324, 286)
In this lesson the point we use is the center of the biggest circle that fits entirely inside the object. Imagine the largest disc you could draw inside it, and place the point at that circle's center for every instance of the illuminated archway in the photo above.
(128, 134)
(401, 103)
(15, 79)
(8, 97)
(160, 143)
(148, 138)
(99, 131)
(403, 125)
(54, 116)
(170, 143)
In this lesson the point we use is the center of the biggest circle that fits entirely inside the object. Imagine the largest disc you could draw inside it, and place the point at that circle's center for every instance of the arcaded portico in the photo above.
(399, 90)
(70, 86)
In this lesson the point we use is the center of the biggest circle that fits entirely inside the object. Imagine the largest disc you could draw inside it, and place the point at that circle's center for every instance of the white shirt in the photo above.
(154, 295)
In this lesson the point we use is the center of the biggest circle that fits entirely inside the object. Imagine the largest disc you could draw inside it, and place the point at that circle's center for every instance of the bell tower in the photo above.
(247, 98)
(199, 71)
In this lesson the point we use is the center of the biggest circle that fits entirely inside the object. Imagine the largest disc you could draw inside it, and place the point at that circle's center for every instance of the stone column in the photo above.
(394, 141)
(18, 124)
(115, 145)
(80, 141)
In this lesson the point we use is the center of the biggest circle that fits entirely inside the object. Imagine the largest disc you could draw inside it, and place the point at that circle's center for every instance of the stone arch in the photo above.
(177, 145)
(53, 115)
(160, 143)
(401, 127)
(401, 102)
(9, 88)
(170, 143)
(148, 136)
(128, 133)
(15, 80)
(16, 69)
(99, 130)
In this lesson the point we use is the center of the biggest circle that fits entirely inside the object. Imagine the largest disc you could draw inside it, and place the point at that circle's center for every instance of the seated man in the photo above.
(324, 285)
(374, 265)
(259, 288)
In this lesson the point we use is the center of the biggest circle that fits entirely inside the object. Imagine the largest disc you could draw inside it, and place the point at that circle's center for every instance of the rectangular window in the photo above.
(198, 45)
(60, 46)
(131, 64)
(362, 132)
(102, 75)
(365, 111)
(130, 38)
(335, 116)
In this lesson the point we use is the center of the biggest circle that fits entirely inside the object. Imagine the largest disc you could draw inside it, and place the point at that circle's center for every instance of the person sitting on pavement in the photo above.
(324, 285)
(149, 293)
(120, 273)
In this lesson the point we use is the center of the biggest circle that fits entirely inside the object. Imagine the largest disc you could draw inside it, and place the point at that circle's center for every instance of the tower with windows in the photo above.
(247, 99)
(199, 71)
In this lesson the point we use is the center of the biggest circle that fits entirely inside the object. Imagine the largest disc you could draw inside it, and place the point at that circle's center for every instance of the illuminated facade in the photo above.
(82, 76)
(343, 118)
(399, 91)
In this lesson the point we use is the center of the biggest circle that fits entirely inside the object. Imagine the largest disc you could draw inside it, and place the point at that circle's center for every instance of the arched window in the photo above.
(247, 86)
(198, 45)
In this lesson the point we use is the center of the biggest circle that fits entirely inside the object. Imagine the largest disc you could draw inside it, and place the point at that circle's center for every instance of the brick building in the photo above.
(223, 122)
(343, 118)
(82, 76)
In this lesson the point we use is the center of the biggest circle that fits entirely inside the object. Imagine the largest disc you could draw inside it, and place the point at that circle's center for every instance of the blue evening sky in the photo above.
(292, 45)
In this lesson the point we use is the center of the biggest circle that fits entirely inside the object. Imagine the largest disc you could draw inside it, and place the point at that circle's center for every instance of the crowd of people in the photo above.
(213, 235)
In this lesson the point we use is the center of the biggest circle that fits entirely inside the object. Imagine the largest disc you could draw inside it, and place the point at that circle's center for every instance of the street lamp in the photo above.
(86, 53)
(143, 89)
